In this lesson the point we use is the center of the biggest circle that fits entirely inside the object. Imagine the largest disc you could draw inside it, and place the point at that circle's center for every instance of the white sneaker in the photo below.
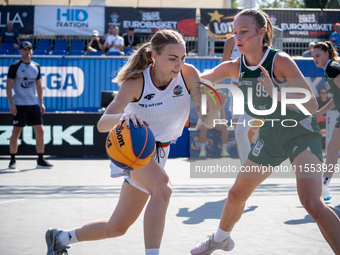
(209, 246)
(224, 153)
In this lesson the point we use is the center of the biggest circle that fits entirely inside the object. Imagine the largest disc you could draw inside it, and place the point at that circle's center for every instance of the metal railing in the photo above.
(296, 46)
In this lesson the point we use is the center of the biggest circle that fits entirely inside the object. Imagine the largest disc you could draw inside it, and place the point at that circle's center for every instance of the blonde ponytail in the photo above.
(142, 57)
(136, 64)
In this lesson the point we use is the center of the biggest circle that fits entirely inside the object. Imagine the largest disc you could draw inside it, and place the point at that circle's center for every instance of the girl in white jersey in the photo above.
(231, 52)
(301, 143)
(154, 91)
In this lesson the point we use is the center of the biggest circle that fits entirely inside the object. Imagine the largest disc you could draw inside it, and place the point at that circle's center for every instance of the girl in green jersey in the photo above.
(266, 71)
(325, 57)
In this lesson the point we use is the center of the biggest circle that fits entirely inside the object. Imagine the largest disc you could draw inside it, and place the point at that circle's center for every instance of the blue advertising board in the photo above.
(75, 83)
(70, 84)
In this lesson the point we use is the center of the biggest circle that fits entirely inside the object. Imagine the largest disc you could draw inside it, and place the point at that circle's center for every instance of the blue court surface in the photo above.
(78, 190)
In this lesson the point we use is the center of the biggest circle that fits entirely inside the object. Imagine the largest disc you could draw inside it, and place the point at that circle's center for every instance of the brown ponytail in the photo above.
(261, 21)
(327, 47)
(268, 36)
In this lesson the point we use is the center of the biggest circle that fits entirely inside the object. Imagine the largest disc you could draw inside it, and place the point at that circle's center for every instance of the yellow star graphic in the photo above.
(215, 16)
(196, 138)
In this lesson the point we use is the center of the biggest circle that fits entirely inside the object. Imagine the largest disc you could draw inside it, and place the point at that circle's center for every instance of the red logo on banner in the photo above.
(188, 27)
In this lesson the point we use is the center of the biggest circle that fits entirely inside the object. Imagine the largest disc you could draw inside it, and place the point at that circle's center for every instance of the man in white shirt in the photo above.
(113, 41)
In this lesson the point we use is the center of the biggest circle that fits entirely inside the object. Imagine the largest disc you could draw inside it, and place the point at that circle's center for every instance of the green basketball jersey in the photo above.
(332, 88)
(261, 99)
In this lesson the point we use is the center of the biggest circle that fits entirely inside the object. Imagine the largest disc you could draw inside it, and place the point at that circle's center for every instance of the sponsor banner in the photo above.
(70, 84)
(68, 20)
(71, 135)
(296, 23)
(65, 135)
(219, 21)
(58, 81)
(22, 17)
(148, 20)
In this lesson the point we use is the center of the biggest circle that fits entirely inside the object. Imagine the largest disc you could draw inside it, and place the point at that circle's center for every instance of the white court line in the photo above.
(9, 201)
(51, 195)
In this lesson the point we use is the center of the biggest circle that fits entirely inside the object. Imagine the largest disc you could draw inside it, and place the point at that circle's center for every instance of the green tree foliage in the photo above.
(315, 3)
(234, 4)
(333, 4)
(318, 4)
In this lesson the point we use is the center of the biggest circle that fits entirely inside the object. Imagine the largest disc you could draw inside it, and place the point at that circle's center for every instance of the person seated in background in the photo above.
(308, 53)
(95, 44)
(335, 36)
(130, 39)
(323, 98)
(10, 35)
(222, 128)
(113, 42)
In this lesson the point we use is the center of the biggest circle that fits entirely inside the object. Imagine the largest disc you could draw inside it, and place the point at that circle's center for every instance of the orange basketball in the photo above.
(130, 148)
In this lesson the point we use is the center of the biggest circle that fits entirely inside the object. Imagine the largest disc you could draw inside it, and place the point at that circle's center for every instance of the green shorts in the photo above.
(275, 144)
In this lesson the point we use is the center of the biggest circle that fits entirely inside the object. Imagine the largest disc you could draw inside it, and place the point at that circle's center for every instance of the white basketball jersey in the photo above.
(166, 110)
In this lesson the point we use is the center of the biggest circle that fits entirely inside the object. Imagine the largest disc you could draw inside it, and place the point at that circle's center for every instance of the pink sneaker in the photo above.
(209, 246)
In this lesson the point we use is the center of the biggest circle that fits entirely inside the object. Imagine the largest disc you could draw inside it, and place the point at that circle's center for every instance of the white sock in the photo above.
(68, 237)
(221, 235)
(202, 145)
(224, 146)
(326, 181)
(152, 252)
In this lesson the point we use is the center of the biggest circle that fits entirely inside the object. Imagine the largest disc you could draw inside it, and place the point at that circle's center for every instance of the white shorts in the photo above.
(163, 154)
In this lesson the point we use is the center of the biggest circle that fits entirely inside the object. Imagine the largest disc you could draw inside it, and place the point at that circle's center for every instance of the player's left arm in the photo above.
(40, 95)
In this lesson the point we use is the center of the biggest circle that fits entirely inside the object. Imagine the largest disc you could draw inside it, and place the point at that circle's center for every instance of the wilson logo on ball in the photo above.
(119, 136)
(139, 146)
